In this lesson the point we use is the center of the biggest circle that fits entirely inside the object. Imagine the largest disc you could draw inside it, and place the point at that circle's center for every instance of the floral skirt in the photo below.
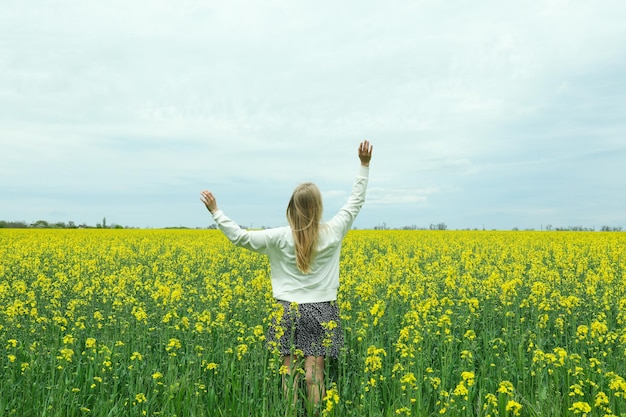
(310, 329)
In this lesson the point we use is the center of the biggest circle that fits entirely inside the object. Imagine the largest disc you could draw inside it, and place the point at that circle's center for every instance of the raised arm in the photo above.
(255, 241)
(343, 220)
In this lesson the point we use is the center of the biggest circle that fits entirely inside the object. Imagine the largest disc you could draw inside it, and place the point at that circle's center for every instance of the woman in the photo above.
(304, 264)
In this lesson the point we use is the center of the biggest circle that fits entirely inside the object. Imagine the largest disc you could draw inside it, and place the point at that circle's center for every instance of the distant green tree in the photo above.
(41, 224)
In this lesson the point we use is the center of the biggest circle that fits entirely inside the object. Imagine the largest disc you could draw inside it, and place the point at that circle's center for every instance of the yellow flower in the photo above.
(562, 354)
(66, 354)
(470, 334)
(468, 377)
(576, 389)
(377, 311)
(242, 349)
(461, 390)
(258, 332)
(331, 399)
(330, 325)
(490, 400)
(598, 329)
(601, 399)
(467, 355)
(90, 343)
(513, 406)
(435, 382)
(581, 332)
(506, 387)
(580, 407)
(373, 361)
(173, 344)
(409, 378)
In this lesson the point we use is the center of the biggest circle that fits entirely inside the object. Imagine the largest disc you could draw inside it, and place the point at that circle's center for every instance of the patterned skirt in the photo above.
(310, 329)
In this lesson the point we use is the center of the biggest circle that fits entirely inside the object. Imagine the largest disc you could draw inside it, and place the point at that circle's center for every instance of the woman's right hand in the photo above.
(365, 153)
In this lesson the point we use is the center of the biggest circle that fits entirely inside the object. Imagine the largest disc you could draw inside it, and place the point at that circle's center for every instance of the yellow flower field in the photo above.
(172, 322)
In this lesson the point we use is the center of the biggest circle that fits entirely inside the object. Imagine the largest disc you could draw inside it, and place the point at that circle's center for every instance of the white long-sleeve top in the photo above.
(288, 282)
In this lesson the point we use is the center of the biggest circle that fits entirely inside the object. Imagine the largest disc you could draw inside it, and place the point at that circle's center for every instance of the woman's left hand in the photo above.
(209, 201)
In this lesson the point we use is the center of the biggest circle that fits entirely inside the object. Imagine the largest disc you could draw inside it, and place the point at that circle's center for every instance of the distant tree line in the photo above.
(42, 224)
(438, 226)
(584, 229)
(550, 228)
(610, 229)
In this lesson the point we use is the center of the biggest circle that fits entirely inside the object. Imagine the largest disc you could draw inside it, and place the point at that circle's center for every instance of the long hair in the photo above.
(304, 213)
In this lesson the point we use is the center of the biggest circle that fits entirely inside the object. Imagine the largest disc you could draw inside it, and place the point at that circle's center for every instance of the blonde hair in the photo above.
(304, 213)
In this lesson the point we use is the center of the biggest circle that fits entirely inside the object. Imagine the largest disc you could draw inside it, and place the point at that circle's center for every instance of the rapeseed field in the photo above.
(449, 323)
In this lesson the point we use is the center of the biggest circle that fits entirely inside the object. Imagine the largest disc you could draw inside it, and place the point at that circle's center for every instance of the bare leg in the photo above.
(314, 375)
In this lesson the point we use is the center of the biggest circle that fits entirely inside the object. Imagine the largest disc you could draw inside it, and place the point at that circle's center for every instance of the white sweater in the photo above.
(288, 282)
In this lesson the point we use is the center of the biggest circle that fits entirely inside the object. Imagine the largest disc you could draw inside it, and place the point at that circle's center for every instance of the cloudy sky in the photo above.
(495, 114)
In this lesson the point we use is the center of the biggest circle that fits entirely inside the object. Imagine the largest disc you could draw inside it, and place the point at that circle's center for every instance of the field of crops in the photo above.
(172, 323)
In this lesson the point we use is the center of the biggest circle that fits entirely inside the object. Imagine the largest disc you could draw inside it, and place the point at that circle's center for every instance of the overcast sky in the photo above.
(495, 114)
